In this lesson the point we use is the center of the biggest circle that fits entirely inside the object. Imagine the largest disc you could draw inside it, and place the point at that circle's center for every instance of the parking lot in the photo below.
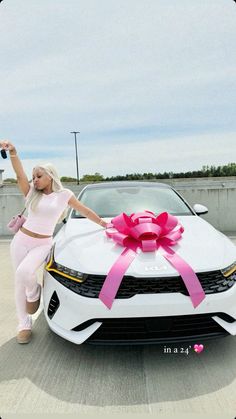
(51, 375)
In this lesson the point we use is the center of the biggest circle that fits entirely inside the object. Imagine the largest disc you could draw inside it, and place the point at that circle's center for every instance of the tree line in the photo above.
(206, 171)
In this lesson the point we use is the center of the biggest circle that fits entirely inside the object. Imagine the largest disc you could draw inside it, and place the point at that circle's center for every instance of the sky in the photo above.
(150, 84)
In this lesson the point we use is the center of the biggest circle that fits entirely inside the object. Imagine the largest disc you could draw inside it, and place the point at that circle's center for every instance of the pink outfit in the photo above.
(28, 253)
(48, 211)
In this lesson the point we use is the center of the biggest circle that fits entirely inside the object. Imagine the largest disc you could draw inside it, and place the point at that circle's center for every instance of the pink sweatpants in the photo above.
(27, 254)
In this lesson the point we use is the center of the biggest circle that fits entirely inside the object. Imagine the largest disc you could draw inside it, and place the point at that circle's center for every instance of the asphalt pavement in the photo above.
(52, 376)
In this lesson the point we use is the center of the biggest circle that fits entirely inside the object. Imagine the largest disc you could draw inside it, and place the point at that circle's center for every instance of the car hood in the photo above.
(83, 246)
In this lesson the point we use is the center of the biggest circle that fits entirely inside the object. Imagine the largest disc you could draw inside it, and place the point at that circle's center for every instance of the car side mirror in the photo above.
(200, 209)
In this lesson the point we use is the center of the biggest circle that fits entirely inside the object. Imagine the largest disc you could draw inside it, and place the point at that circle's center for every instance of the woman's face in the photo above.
(40, 179)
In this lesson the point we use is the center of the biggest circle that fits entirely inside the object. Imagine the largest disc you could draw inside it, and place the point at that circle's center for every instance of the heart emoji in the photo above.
(198, 348)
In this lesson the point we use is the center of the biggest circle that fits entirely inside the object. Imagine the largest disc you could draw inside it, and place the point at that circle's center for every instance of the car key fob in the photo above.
(3, 154)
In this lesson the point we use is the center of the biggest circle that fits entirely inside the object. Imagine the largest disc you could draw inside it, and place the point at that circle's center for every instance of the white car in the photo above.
(152, 304)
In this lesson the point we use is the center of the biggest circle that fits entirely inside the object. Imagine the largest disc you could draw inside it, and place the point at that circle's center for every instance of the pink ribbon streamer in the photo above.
(149, 233)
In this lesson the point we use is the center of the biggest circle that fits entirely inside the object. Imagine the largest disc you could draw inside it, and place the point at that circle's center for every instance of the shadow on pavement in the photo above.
(117, 375)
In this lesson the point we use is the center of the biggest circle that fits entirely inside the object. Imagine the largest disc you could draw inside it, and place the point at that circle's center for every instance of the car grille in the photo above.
(212, 282)
(169, 329)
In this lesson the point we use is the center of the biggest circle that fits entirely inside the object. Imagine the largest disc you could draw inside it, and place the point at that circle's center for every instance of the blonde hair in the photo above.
(35, 195)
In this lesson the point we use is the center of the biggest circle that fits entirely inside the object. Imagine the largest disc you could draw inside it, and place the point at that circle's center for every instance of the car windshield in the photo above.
(109, 202)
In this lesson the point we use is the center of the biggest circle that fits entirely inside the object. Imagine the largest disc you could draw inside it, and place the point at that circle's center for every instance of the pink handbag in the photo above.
(16, 222)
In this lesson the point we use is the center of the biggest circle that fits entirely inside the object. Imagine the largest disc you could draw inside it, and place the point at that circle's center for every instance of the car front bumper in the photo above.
(86, 315)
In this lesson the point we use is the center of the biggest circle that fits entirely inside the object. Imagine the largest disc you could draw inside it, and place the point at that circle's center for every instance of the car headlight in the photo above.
(229, 270)
(53, 266)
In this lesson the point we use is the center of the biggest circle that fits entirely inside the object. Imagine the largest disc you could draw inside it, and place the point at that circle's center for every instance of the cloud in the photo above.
(121, 73)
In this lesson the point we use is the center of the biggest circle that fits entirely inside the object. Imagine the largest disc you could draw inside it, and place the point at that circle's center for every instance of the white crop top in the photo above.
(50, 207)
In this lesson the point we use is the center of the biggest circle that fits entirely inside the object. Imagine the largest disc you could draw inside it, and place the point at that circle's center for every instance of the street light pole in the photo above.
(76, 154)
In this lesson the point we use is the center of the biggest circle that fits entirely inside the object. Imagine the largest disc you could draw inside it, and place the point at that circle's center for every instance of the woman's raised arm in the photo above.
(22, 179)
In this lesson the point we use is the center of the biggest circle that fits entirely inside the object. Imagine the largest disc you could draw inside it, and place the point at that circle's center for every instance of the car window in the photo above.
(109, 202)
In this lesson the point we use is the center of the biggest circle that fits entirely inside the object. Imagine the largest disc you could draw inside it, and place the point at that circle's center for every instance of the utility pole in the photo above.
(76, 154)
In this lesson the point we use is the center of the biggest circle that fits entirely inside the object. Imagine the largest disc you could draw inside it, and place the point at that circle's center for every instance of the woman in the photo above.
(47, 203)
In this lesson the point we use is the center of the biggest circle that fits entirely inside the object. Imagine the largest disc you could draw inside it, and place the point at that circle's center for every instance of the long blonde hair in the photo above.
(35, 195)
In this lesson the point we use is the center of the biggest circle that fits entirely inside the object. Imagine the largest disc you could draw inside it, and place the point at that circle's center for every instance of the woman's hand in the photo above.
(103, 224)
(7, 145)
